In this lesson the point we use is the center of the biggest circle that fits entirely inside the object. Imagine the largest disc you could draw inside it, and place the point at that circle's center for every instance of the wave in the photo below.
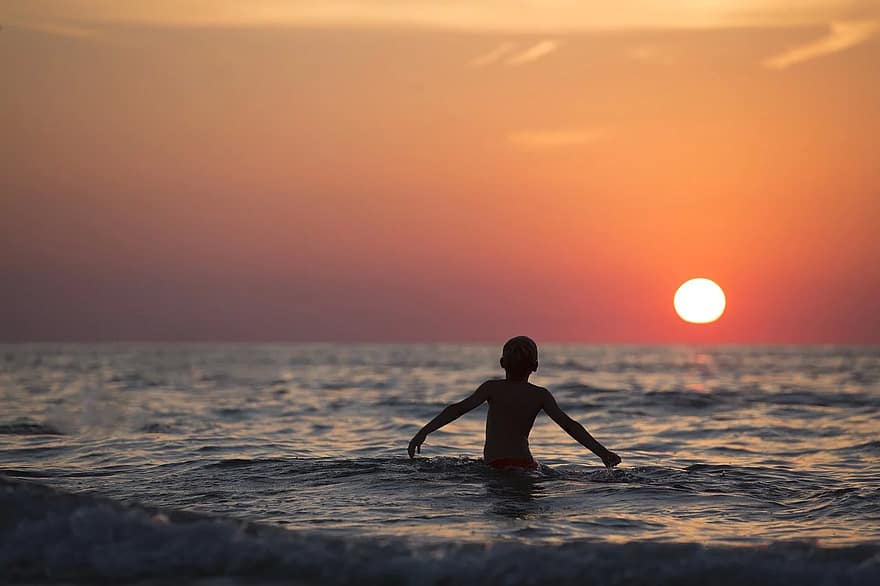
(157, 428)
(49, 535)
(28, 427)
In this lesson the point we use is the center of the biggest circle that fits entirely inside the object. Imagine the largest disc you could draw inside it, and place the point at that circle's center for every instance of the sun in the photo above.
(699, 301)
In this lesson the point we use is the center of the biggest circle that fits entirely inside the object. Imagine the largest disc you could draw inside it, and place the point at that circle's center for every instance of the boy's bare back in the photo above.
(513, 406)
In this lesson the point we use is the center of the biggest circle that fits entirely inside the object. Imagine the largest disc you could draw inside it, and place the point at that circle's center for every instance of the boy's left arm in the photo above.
(449, 414)
(577, 431)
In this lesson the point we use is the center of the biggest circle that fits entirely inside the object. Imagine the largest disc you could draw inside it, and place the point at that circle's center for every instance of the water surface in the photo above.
(743, 447)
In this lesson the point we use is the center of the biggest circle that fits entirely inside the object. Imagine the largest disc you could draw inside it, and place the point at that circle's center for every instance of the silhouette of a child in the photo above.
(513, 405)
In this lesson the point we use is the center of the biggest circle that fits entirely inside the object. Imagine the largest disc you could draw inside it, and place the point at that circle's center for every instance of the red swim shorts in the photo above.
(514, 463)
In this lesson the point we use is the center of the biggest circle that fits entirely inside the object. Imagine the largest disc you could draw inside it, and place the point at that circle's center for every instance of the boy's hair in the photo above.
(520, 356)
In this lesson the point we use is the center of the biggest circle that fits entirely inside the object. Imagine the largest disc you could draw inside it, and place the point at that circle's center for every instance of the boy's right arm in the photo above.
(449, 414)
(577, 431)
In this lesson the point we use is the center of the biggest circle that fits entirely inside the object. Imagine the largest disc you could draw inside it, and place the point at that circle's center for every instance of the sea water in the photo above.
(287, 464)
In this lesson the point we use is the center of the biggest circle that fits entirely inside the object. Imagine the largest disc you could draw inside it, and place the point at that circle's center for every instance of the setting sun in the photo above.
(699, 301)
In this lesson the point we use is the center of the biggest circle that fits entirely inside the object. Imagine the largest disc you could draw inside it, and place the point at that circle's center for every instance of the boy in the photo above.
(513, 405)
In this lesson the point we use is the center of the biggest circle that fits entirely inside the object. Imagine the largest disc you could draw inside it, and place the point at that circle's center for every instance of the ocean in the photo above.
(287, 464)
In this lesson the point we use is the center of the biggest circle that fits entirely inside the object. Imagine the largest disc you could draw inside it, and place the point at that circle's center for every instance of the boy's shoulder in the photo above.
(540, 389)
(492, 382)
(500, 382)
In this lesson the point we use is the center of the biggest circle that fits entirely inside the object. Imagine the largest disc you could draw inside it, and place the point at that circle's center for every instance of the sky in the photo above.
(328, 170)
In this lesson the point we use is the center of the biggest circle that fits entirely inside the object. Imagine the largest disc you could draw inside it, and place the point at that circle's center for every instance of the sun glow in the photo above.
(699, 301)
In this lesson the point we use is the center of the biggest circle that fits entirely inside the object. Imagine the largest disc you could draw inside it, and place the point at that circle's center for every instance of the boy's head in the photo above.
(520, 357)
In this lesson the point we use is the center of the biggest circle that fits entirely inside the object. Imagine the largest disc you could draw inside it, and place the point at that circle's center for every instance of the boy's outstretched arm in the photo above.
(577, 431)
(449, 414)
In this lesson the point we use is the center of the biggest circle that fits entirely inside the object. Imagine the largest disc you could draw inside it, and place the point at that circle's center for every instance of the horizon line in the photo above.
(481, 342)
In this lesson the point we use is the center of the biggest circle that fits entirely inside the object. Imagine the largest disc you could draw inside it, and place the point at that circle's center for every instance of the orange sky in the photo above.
(426, 171)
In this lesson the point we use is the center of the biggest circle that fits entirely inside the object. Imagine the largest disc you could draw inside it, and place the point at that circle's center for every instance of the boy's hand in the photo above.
(415, 444)
(610, 459)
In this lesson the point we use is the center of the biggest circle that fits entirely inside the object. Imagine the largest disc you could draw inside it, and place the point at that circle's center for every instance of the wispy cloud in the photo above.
(495, 55)
(508, 54)
(533, 53)
(652, 55)
(533, 140)
(533, 16)
(841, 36)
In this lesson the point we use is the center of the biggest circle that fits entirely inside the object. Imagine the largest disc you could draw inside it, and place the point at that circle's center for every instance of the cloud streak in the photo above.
(841, 36)
(533, 53)
(546, 16)
(508, 54)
